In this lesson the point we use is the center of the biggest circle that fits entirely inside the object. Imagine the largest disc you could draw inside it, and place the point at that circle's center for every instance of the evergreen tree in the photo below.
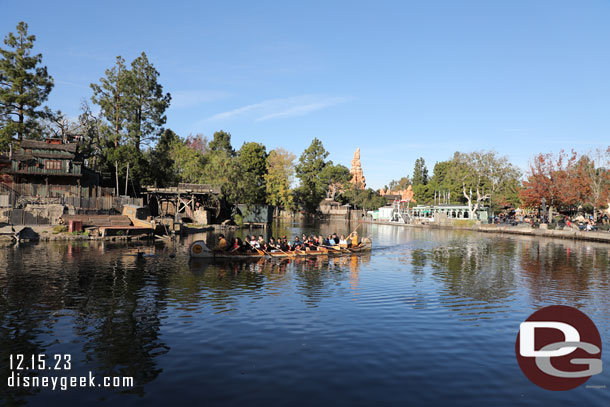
(420, 172)
(252, 164)
(132, 100)
(111, 96)
(311, 163)
(333, 178)
(162, 166)
(222, 142)
(24, 86)
(146, 103)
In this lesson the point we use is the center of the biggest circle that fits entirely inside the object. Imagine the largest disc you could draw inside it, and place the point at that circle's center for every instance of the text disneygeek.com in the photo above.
(21, 366)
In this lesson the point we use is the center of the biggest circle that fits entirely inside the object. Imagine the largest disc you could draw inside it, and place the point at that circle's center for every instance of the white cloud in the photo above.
(189, 98)
(280, 108)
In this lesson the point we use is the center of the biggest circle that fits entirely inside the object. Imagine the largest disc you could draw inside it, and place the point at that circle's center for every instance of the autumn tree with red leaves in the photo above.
(593, 170)
(554, 178)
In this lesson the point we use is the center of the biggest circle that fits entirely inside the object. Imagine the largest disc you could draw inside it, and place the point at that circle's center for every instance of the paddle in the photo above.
(262, 253)
(336, 248)
(278, 247)
(352, 232)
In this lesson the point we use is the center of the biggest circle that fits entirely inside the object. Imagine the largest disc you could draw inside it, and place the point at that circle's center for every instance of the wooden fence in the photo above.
(102, 203)
(5, 200)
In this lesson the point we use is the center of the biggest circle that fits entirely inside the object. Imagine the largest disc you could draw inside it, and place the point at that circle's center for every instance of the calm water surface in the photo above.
(429, 317)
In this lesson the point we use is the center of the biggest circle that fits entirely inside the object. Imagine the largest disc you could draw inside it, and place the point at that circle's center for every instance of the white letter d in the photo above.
(526, 344)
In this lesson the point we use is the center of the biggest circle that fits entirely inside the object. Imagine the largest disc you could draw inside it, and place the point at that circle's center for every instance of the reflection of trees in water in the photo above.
(572, 270)
(480, 269)
(221, 283)
(26, 303)
(119, 317)
(316, 279)
(216, 283)
(116, 302)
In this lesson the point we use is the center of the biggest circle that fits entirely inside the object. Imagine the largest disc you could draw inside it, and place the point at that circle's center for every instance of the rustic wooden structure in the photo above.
(48, 169)
(183, 200)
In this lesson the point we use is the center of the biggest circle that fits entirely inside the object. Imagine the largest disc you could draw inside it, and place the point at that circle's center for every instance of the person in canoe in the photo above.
(222, 243)
(236, 246)
(310, 244)
(297, 245)
(284, 246)
(262, 244)
(342, 241)
(352, 239)
(254, 244)
(272, 245)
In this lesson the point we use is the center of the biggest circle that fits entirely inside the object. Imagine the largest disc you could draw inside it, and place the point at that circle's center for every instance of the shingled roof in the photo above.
(43, 145)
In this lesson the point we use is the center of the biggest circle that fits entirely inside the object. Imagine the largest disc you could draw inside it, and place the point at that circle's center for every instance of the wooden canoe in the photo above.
(199, 249)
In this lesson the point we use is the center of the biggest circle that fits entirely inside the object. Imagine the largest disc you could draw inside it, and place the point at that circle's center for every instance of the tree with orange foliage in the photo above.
(552, 177)
(593, 170)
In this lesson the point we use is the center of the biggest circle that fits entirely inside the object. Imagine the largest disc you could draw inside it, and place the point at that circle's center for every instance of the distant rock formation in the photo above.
(356, 171)
(405, 194)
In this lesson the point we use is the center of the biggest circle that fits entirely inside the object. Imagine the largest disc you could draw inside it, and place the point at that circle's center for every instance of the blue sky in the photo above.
(398, 79)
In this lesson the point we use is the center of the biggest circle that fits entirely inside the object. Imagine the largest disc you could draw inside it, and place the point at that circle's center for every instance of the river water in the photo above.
(429, 317)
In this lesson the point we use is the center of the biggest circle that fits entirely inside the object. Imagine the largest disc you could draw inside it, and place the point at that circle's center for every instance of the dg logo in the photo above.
(559, 348)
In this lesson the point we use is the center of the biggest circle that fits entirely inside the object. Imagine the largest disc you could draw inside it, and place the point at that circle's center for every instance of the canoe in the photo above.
(199, 249)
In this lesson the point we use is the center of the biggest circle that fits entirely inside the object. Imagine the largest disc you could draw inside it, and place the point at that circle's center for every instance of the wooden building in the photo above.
(49, 169)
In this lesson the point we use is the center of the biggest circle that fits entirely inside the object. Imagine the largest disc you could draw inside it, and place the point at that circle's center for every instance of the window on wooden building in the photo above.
(52, 165)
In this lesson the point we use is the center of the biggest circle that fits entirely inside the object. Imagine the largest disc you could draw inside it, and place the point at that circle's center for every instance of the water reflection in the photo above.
(112, 303)
(156, 318)
(314, 277)
(575, 270)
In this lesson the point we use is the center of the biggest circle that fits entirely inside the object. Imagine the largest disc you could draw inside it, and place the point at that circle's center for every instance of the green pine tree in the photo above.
(24, 86)
(312, 162)
(111, 96)
(147, 103)
(420, 172)
(222, 142)
(132, 101)
(252, 163)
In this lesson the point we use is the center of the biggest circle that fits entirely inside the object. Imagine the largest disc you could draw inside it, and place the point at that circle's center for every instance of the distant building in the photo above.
(452, 212)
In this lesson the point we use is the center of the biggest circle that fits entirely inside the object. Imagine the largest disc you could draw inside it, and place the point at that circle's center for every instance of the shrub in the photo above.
(59, 229)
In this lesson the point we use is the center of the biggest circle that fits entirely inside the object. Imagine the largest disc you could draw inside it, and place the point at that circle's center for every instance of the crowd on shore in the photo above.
(282, 244)
(578, 222)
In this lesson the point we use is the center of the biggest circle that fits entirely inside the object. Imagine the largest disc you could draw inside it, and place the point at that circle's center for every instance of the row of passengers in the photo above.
(252, 244)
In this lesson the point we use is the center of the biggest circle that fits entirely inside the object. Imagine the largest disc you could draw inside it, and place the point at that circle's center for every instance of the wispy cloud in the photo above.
(281, 108)
(189, 98)
(69, 83)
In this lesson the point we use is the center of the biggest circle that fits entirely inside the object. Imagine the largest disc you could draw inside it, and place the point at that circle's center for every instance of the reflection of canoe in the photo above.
(198, 249)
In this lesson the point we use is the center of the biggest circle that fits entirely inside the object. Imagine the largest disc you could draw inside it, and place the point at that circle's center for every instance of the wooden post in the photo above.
(79, 191)
(116, 170)
(126, 180)
(176, 209)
